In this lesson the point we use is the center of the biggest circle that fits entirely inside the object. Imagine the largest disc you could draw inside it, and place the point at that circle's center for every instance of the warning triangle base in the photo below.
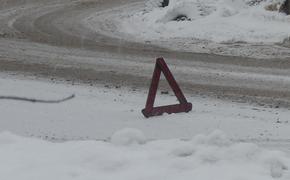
(176, 108)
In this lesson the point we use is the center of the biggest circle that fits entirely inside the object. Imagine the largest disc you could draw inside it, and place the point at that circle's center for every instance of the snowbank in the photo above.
(211, 20)
(205, 157)
(128, 136)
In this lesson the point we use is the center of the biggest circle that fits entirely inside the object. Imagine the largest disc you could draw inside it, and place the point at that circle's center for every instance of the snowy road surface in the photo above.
(52, 49)
(52, 39)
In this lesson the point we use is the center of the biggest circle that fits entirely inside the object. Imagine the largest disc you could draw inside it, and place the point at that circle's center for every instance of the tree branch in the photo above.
(36, 100)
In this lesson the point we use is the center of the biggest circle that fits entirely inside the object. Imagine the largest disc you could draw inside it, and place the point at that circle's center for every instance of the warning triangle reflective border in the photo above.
(183, 105)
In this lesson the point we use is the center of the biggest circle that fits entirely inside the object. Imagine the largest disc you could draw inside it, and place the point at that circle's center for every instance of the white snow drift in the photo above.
(211, 20)
(205, 157)
(128, 136)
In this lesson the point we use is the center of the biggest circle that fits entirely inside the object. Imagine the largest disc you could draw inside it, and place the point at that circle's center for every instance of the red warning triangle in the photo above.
(149, 110)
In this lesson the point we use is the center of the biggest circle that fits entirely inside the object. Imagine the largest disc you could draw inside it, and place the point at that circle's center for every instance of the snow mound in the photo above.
(217, 138)
(211, 20)
(7, 138)
(128, 136)
(205, 157)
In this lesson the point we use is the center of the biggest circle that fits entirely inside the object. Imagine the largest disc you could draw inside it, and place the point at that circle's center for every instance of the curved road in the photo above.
(48, 39)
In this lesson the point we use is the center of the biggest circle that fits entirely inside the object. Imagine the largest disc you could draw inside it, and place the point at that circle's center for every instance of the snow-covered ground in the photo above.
(97, 112)
(101, 133)
(213, 20)
(227, 27)
(204, 157)
(130, 146)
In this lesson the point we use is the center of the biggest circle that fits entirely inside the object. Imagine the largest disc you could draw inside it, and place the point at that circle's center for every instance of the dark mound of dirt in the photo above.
(285, 7)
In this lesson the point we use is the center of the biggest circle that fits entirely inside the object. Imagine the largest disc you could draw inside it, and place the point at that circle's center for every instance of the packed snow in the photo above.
(101, 133)
(97, 112)
(110, 139)
(203, 157)
(128, 136)
(212, 20)
(225, 27)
